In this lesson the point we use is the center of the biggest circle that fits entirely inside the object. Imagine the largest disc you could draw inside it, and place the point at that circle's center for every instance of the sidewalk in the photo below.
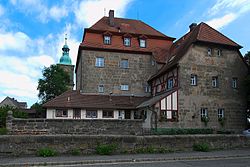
(93, 159)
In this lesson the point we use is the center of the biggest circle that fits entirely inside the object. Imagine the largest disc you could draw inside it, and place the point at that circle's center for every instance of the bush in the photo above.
(46, 152)
(204, 147)
(106, 149)
(76, 151)
(179, 131)
(3, 131)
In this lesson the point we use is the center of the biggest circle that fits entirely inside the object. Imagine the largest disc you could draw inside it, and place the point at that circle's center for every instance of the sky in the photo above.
(32, 31)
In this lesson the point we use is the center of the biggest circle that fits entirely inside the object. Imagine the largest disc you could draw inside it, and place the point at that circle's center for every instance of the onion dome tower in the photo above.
(66, 63)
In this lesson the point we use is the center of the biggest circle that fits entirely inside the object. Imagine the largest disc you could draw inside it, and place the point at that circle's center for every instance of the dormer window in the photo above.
(127, 41)
(107, 39)
(142, 43)
(209, 52)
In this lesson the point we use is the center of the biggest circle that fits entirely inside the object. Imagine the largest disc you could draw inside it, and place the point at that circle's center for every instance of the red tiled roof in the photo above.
(201, 33)
(75, 99)
(127, 26)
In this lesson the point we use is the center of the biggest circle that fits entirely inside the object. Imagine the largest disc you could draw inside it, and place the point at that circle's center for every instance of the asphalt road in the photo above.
(225, 162)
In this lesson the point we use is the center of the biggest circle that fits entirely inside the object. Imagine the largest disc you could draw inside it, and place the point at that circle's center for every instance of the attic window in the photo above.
(127, 41)
(209, 52)
(219, 52)
(142, 43)
(107, 39)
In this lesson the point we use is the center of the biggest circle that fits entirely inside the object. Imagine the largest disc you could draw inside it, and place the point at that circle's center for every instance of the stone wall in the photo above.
(28, 145)
(112, 76)
(73, 126)
(192, 98)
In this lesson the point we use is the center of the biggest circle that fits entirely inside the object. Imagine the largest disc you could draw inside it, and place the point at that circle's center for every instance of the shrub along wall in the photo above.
(88, 144)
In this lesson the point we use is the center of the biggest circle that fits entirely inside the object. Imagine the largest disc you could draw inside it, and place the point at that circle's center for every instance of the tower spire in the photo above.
(65, 59)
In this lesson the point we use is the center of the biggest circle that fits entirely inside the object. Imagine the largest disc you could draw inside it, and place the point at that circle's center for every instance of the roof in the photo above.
(13, 102)
(75, 99)
(201, 33)
(155, 99)
(129, 26)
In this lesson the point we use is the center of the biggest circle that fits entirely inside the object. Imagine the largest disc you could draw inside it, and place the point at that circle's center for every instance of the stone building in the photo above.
(193, 82)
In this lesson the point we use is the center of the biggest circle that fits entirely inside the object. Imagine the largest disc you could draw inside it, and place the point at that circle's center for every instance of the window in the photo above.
(124, 87)
(76, 113)
(170, 83)
(193, 80)
(100, 88)
(147, 89)
(215, 82)
(99, 62)
(218, 52)
(204, 113)
(234, 83)
(127, 41)
(142, 43)
(107, 40)
(124, 63)
(209, 52)
(220, 113)
(107, 114)
(61, 113)
(91, 114)
(153, 62)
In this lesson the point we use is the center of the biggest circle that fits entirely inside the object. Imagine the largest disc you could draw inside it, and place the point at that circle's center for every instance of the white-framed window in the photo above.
(124, 87)
(142, 43)
(221, 113)
(124, 63)
(61, 113)
(108, 114)
(100, 88)
(193, 80)
(204, 113)
(99, 62)
(218, 52)
(91, 114)
(170, 83)
(209, 51)
(215, 82)
(234, 83)
(127, 41)
(107, 39)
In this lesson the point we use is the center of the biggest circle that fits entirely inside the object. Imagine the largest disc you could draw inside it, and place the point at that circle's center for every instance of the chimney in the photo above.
(192, 26)
(111, 18)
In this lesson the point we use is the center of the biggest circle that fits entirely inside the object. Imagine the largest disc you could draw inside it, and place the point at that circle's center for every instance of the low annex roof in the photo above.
(75, 99)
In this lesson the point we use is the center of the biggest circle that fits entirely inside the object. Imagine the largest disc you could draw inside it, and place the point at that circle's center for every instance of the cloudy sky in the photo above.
(32, 31)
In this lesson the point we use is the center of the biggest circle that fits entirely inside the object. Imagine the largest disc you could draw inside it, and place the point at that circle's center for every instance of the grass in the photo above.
(46, 152)
(106, 149)
(3, 131)
(181, 131)
(203, 147)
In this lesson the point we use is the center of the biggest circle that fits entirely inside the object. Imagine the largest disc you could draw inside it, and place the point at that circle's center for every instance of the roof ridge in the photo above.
(237, 45)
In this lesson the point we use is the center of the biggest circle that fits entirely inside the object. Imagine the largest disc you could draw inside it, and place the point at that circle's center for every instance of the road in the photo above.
(222, 162)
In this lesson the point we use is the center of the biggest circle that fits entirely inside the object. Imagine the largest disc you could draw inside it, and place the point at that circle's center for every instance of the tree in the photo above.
(247, 57)
(55, 81)
(40, 111)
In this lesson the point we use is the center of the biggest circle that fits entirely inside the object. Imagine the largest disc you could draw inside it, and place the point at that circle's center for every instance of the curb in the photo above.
(121, 161)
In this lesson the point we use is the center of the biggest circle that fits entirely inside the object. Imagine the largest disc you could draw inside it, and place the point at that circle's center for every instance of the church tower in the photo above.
(66, 64)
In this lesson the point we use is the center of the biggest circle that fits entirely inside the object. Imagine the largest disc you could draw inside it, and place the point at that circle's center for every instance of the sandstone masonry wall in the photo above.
(73, 126)
(28, 145)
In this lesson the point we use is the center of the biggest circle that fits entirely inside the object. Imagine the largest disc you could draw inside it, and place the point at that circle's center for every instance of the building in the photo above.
(127, 70)
(13, 103)
(66, 64)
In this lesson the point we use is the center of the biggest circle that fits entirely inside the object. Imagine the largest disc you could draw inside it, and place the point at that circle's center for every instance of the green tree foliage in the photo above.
(16, 113)
(247, 57)
(55, 81)
(40, 111)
